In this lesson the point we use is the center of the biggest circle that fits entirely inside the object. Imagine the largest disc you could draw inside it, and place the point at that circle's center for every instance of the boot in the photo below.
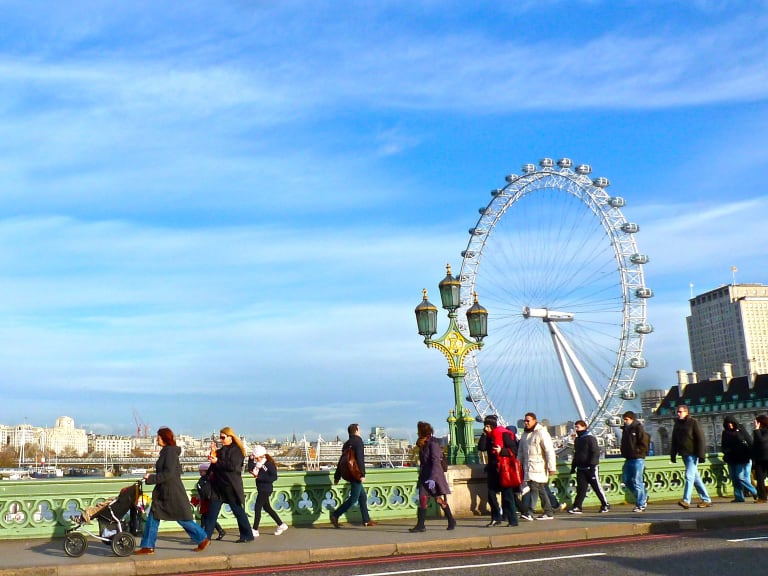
(421, 516)
(449, 516)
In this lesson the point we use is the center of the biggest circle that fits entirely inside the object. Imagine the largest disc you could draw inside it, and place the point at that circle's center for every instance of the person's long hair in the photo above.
(167, 435)
(425, 431)
(235, 440)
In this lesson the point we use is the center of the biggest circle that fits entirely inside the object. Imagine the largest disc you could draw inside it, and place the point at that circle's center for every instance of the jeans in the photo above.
(356, 495)
(243, 525)
(152, 524)
(739, 474)
(693, 480)
(632, 476)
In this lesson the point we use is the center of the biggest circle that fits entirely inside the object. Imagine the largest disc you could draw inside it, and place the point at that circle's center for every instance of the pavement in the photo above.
(323, 543)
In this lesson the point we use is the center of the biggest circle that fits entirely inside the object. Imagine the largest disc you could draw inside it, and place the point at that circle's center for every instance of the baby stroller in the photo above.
(113, 528)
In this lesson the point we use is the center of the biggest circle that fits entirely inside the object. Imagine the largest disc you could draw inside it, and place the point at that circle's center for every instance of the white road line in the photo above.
(747, 539)
(420, 570)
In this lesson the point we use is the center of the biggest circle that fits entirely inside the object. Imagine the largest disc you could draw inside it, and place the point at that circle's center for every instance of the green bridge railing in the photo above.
(44, 508)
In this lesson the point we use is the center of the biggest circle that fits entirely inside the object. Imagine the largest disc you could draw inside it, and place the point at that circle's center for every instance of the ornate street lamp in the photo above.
(455, 346)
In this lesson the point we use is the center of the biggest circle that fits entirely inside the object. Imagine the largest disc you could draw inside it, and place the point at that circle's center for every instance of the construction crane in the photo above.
(142, 428)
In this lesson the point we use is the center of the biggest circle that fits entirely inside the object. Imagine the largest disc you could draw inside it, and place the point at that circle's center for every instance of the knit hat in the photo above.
(204, 466)
(259, 451)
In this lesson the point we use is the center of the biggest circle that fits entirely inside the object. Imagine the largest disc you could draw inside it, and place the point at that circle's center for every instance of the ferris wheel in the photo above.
(556, 264)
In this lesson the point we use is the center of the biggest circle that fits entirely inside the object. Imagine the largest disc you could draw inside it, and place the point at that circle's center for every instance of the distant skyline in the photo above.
(223, 214)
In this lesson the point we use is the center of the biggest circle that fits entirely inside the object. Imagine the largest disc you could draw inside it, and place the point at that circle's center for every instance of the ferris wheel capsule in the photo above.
(565, 163)
(601, 182)
(630, 228)
(616, 202)
(528, 168)
(546, 163)
(583, 169)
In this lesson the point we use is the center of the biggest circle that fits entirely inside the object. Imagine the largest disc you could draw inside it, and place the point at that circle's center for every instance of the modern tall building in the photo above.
(729, 325)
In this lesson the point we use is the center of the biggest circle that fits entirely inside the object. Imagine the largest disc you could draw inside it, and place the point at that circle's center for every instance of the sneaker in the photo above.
(494, 523)
(280, 529)
(683, 504)
(527, 517)
(545, 517)
(575, 511)
(639, 509)
(562, 506)
(255, 533)
(704, 505)
(606, 508)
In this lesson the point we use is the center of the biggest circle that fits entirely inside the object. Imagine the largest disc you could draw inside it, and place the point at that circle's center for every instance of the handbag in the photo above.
(510, 472)
(350, 470)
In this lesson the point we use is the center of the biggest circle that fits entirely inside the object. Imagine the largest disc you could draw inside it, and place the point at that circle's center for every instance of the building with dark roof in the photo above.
(710, 401)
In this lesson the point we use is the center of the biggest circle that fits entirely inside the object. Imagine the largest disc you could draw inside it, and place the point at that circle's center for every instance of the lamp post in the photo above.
(455, 347)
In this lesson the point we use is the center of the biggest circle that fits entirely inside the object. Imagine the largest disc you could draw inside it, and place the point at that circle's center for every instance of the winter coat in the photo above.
(499, 437)
(431, 468)
(228, 474)
(735, 443)
(687, 440)
(169, 497)
(536, 454)
(634, 442)
(760, 445)
(586, 452)
(265, 476)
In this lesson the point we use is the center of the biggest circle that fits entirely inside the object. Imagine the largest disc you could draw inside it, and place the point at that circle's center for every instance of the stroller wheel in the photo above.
(123, 544)
(75, 544)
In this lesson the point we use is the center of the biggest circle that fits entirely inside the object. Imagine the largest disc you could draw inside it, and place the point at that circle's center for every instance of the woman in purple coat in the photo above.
(432, 481)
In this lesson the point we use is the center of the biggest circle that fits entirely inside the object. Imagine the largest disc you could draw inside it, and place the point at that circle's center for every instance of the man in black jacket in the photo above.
(586, 457)
(688, 442)
(634, 448)
(736, 446)
(356, 491)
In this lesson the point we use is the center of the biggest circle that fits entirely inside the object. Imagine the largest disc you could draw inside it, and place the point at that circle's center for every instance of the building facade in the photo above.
(729, 325)
(709, 402)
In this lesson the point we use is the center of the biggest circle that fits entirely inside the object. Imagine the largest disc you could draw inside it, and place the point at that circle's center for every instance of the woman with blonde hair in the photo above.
(227, 468)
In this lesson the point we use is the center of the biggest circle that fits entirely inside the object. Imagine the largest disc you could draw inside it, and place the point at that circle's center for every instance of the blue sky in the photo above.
(223, 213)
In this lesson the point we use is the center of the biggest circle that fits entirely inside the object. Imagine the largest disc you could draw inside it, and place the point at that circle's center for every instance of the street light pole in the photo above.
(455, 347)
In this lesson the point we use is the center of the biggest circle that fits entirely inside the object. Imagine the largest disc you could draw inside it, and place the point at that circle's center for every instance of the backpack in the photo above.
(204, 488)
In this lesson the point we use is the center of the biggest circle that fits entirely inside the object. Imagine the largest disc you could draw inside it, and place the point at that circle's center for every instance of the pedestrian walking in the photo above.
(264, 469)
(432, 482)
(203, 503)
(537, 457)
(736, 446)
(760, 455)
(169, 497)
(498, 442)
(357, 493)
(688, 442)
(635, 444)
(586, 458)
(227, 466)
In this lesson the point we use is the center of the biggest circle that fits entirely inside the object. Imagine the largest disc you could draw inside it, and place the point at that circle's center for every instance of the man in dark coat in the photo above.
(586, 457)
(736, 446)
(356, 490)
(634, 448)
(688, 442)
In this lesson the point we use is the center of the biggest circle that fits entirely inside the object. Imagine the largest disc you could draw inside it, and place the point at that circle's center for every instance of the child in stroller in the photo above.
(111, 518)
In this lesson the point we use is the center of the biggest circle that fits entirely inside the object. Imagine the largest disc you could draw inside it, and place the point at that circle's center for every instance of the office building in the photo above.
(729, 325)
